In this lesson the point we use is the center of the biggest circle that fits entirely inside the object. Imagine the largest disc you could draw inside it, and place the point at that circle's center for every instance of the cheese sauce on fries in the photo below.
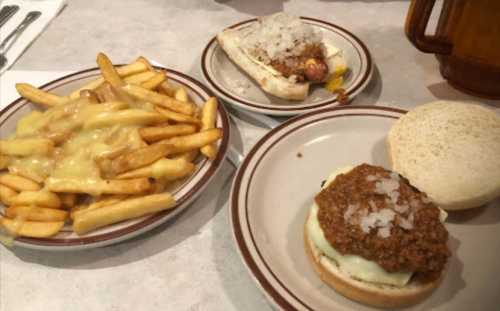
(119, 139)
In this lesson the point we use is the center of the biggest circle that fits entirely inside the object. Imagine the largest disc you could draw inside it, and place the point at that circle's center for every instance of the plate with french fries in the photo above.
(105, 154)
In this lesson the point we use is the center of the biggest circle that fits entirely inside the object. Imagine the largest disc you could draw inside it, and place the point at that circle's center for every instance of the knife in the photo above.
(7, 12)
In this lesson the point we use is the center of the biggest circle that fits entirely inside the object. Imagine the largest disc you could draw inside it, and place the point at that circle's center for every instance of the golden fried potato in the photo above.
(39, 198)
(167, 169)
(139, 158)
(178, 117)
(19, 183)
(7, 194)
(26, 146)
(153, 134)
(190, 142)
(98, 187)
(155, 81)
(127, 209)
(208, 118)
(35, 213)
(40, 97)
(159, 99)
(32, 229)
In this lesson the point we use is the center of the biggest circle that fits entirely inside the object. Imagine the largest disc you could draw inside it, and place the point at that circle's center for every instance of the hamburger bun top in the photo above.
(449, 150)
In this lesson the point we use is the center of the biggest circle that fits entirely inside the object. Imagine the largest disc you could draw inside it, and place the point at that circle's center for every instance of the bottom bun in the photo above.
(377, 295)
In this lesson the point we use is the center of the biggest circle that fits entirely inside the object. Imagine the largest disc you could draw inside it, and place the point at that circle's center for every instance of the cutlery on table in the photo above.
(30, 17)
(7, 12)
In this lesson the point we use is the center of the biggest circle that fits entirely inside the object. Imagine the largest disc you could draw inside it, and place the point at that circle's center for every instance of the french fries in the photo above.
(166, 169)
(38, 198)
(92, 85)
(189, 156)
(40, 97)
(104, 153)
(7, 194)
(155, 81)
(152, 134)
(139, 78)
(68, 200)
(139, 158)
(178, 117)
(19, 183)
(98, 187)
(35, 213)
(108, 71)
(4, 161)
(158, 99)
(33, 229)
(127, 209)
(22, 171)
(181, 94)
(194, 141)
(167, 89)
(124, 117)
(90, 96)
(105, 93)
(123, 71)
(26, 146)
(109, 200)
(146, 62)
(208, 115)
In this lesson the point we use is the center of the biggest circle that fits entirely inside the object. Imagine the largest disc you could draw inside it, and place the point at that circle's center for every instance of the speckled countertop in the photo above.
(191, 262)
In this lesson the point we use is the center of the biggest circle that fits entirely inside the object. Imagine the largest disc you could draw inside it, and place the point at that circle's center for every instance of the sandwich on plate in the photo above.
(376, 239)
(284, 55)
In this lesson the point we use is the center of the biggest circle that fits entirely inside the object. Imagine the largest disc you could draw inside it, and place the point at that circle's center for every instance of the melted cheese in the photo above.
(74, 154)
(80, 166)
(355, 266)
(75, 157)
(79, 153)
(29, 124)
(35, 167)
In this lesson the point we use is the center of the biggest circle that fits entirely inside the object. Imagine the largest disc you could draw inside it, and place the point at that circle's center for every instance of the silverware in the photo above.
(30, 18)
(7, 12)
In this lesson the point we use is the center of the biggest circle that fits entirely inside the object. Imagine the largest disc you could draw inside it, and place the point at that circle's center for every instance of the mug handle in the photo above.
(416, 22)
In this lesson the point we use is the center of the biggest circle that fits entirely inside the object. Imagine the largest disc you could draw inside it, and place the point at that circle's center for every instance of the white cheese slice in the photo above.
(355, 266)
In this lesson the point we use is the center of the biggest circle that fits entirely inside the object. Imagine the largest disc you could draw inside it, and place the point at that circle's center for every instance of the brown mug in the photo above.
(466, 42)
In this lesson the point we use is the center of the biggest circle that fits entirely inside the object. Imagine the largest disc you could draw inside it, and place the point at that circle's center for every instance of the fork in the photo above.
(7, 12)
(30, 18)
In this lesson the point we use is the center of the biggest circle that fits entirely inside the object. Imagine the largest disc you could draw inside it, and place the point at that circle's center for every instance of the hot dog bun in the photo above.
(276, 85)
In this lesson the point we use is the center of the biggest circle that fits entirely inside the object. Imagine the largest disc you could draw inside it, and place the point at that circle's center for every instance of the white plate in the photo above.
(273, 192)
(184, 193)
(235, 87)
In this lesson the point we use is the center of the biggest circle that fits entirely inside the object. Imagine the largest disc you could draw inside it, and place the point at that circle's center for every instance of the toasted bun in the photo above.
(377, 295)
(275, 85)
(449, 150)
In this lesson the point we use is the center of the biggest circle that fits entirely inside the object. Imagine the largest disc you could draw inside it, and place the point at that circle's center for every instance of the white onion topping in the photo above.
(278, 37)
(384, 219)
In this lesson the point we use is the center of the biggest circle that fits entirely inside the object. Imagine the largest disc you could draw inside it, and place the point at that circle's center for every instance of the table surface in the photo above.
(190, 263)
